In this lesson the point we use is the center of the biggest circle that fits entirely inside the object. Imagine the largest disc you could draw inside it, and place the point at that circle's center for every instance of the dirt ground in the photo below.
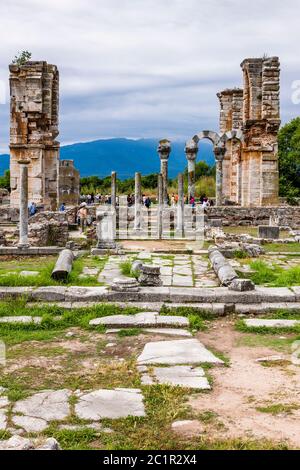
(246, 385)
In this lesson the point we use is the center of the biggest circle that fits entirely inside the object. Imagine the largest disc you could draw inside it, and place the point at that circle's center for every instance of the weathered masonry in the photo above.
(250, 165)
(246, 149)
(34, 102)
(69, 180)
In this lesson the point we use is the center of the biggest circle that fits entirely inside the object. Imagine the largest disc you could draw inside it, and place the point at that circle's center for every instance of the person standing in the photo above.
(83, 215)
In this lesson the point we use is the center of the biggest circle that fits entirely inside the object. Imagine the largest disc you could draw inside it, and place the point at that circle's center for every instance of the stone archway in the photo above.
(219, 147)
(191, 150)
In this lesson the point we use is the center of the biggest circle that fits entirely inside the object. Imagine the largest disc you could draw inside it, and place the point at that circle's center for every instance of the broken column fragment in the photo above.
(63, 265)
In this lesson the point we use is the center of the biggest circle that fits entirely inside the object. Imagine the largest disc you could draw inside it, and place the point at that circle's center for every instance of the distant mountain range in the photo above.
(125, 156)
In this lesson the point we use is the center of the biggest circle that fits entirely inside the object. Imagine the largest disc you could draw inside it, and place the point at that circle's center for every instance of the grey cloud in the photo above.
(147, 68)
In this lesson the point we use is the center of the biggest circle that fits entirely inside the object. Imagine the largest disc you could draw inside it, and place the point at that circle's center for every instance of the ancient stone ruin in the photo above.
(34, 102)
(246, 147)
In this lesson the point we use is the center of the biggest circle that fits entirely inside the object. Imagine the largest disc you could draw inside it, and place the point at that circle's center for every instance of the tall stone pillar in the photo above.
(164, 150)
(138, 201)
(219, 155)
(23, 194)
(113, 189)
(160, 206)
(180, 207)
(34, 102)
(191, 150)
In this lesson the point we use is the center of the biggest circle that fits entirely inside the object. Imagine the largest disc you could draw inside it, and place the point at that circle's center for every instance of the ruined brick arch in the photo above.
(210, 135)
(233, 134)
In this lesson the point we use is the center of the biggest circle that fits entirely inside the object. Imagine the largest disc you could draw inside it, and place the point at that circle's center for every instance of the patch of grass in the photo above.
(268, 341)
(196, 323)
(207, 416)
(288, 277)
(54, 319)
(45, 269)
(279, 408)
(129, 332)
(264, 274)
(81, 439)
(285, 314)
(240, 254)
(292, 247)
(125, 268)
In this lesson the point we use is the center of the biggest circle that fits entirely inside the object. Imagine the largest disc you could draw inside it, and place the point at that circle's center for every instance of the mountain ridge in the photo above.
(125, 156)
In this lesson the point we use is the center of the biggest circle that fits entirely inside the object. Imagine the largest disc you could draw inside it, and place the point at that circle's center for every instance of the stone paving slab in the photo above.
(183, 376)
(140, 320)
(184, 351)
(3, 419)
(280, 323)
(20, 319)
(113, 404)
(48, 405)
(30, 424)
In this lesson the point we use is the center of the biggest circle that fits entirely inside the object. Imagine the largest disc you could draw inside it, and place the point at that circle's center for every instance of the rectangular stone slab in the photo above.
(183, 376)
(182, 351)
(113, 404)
(280, 323)
(140, 320)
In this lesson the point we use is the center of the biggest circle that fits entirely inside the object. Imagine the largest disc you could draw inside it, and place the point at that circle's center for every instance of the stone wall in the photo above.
(48, 228)
(68, 186)
(250, 164)
(247, 216)
(33, 128)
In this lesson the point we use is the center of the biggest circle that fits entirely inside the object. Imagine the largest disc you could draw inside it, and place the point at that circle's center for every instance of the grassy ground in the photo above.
(11, 268)
(272, 274)
(42, 356)
(292, 247)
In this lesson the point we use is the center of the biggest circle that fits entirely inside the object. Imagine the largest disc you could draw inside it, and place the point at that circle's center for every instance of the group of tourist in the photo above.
(203, 201)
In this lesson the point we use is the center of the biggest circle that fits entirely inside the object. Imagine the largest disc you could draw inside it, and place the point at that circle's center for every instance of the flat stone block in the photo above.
(29, 273)
(50, 294)
(140, 320)
(90, 294)
(183, 376)
(242, 285)
(20, 319)
(49, 405)
(258, 322)
(268, 231)
(30, 424)
(113, 404)
(3, 420)
(184, 351)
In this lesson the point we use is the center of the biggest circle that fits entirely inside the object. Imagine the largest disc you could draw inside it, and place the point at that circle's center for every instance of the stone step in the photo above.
(143, 319)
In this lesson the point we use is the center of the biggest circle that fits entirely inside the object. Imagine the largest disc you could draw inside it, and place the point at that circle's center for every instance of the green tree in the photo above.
(5, 180)
(289, 160)
(22, 58)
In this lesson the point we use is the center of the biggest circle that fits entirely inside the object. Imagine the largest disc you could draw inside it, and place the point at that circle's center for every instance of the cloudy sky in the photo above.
(147, 68)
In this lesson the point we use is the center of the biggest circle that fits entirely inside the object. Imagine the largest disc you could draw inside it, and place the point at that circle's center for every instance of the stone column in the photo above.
(164, 150)
(113, 189)
(191, 150)
(137, 202)
(23, 191)
(160, 206)
(180, 207)
(219, 155)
